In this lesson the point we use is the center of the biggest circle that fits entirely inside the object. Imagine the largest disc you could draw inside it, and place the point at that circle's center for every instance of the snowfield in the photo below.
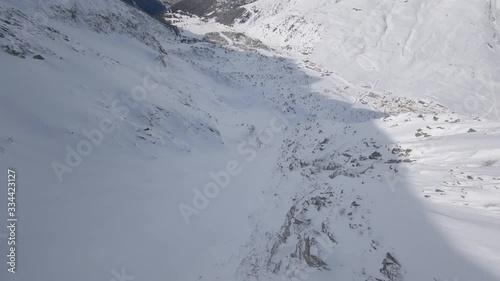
(318, 140)
(446, 50)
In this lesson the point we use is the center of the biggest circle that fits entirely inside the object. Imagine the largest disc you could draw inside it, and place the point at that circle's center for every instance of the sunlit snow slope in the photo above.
(444, 50)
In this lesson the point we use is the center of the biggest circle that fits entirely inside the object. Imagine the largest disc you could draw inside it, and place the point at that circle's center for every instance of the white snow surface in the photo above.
(444, 50)
(377, 164)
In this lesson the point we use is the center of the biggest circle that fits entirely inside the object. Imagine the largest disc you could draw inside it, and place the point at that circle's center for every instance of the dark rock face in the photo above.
(196, 7)
(391, 268)
(152, 7)
(375, 155)
(224, 11)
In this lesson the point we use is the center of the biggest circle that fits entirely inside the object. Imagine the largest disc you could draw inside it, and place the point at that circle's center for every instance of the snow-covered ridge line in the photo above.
(107, 17)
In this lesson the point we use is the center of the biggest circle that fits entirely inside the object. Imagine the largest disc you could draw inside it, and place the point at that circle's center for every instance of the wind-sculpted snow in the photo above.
(214, 156)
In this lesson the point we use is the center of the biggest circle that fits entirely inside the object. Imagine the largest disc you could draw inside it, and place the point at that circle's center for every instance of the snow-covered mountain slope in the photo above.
(444, 50)
(213, 156)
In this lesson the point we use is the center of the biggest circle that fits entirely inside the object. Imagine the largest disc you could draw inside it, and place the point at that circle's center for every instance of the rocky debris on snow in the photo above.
(420, 133)
(235, 39)
(375, 155)
(391, 268)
